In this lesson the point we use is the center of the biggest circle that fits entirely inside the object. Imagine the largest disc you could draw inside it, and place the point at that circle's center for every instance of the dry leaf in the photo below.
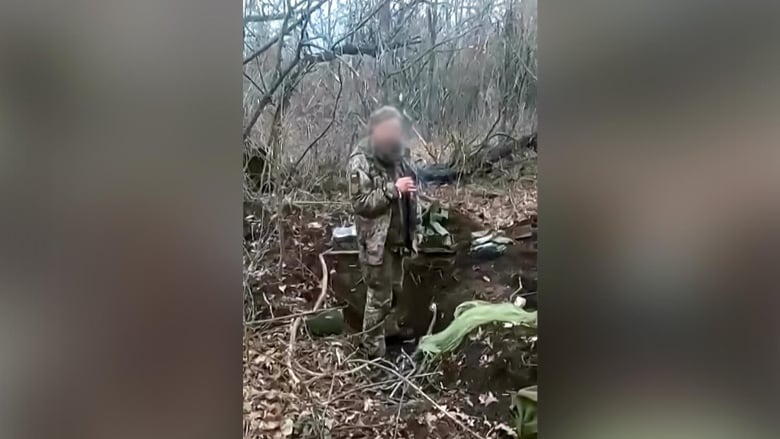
(487, 398)
(269, 425)
(287, 427)
(506, 429)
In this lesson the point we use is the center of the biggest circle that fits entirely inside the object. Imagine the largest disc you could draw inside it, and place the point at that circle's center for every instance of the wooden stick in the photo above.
(290, 316)
(424, 395)
(297, 322)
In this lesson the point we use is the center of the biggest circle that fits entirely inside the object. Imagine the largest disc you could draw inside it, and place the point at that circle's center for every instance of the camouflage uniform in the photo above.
(378, 212)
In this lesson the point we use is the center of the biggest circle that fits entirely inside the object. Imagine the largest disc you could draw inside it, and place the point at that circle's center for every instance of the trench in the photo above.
(494, 366)
(447, 280)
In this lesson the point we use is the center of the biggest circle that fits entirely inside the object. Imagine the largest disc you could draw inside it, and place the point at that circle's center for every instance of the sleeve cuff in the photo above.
(391, 192)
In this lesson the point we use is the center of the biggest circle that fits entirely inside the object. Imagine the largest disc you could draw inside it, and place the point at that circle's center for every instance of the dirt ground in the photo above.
(445, 280)
(335, 400)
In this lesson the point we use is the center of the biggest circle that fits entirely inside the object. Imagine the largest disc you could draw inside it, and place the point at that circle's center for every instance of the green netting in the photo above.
(469, 316)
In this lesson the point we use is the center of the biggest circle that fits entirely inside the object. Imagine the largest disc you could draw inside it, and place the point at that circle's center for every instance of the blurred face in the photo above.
(386, 137)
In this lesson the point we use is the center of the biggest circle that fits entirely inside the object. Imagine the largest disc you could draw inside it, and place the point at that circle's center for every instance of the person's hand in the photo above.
(405, 185)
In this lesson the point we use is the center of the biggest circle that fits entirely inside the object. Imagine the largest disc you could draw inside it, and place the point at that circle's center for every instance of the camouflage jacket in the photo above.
(371, 190)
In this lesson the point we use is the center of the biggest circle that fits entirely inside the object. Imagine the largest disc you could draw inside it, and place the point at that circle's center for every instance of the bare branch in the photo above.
(527, 69)
(258, 18)
(287, 29)
(351, 49)
(266, 99)
(411, 63)
(253, 83)
(361, 24)
(263, 18)
(327, 128)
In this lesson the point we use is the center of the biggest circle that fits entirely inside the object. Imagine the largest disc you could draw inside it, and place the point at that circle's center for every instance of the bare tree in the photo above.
(463, 71)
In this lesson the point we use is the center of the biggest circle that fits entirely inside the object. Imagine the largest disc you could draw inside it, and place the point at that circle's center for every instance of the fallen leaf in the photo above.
(487, 398)
(282, 288)
(287, 427)
(269, 425)
(506, 429)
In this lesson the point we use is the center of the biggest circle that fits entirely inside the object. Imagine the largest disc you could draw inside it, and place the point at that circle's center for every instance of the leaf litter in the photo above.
(337, 398)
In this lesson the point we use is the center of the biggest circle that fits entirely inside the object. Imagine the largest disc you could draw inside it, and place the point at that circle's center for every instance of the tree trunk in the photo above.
(430, 103)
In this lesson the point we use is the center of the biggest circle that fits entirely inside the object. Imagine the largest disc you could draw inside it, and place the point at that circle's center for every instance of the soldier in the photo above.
(382, 190)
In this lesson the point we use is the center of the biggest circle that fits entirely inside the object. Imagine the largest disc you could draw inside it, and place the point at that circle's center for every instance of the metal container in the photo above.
(344, 238)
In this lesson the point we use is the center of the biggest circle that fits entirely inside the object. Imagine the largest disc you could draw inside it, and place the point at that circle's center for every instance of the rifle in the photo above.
(409, 214)
(408, 221)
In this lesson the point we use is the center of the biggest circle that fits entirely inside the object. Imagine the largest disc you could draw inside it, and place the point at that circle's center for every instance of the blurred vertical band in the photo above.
(120, 171)
(659, 198)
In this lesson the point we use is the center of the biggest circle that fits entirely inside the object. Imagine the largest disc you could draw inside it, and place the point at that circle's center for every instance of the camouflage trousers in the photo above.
(384, 284)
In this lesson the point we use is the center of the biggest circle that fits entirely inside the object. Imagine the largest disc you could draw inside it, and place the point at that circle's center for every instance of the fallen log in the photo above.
(497, 147)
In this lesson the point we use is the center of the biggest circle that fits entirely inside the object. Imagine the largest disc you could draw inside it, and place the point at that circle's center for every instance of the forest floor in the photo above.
(322, 388)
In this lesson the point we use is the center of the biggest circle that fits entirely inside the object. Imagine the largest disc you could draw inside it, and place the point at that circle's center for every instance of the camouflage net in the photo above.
(469, 316)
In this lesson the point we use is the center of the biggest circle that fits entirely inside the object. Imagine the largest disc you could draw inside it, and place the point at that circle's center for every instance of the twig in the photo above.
(351, 49)
(487, 136)
(266, 99)
(527, 69)
(290, 316)
(424, 395)
(267, 302)
(360, 24)
(324, 203)
(297, 322)
(411, 63)
(432, 307)
(281, 75)
(327, 128)
(408, 376)
(306, 14)
(254, 83)
(359, 389)
(263, 18)
(398, 413)
(357, 426)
